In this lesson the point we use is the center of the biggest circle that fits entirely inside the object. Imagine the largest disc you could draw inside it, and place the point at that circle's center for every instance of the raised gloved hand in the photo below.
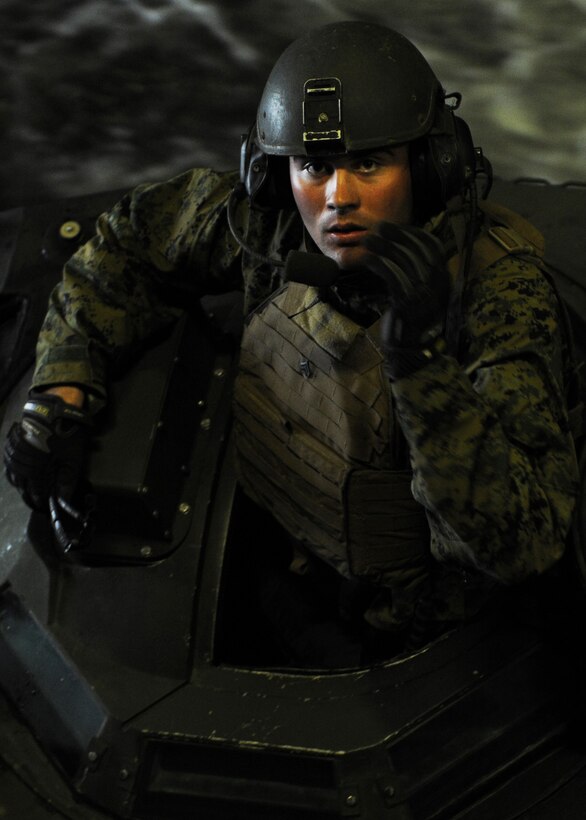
(44, 459)
(412, 264)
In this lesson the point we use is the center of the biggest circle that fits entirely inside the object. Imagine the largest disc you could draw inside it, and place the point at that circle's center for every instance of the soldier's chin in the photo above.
(349, 258)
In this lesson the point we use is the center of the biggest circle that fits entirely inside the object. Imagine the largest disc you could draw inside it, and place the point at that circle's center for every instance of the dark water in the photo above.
(100, 94)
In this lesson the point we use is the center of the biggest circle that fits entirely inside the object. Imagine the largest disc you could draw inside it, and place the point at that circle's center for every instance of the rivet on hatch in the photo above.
(70, 229)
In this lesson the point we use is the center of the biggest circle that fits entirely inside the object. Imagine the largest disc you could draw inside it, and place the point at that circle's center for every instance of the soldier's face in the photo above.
(342, 198)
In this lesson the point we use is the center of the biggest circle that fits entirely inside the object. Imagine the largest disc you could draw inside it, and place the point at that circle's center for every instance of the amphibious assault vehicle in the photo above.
(138, 680)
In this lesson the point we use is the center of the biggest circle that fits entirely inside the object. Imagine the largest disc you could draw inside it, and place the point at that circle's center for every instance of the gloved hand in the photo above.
(44, 458)
(412, 263)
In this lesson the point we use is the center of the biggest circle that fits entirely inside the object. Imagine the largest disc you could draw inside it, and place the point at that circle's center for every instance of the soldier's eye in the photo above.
(316, 168)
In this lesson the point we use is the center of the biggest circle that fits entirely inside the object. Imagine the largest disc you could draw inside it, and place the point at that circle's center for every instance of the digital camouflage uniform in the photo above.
(493, 460)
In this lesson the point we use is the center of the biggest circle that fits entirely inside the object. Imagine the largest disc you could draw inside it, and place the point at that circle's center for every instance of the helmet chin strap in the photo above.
(306, 267)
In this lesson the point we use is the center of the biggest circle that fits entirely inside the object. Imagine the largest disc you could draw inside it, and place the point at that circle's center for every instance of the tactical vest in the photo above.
(316, 441)
(315, 436)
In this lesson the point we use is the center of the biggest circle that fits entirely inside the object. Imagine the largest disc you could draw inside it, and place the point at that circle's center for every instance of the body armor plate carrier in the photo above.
(316, 442)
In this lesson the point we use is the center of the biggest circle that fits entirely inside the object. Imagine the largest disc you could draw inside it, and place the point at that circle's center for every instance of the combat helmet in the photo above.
(350, 86)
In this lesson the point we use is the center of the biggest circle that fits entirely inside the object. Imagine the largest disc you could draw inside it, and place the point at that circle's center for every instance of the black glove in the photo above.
(412, 264)
(44, 459)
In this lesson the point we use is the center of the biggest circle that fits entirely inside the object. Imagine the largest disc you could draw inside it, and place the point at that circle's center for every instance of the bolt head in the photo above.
(70, 229)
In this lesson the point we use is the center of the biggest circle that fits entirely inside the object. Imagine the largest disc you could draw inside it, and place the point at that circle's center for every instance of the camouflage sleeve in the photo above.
(112, 294)
(494, 464)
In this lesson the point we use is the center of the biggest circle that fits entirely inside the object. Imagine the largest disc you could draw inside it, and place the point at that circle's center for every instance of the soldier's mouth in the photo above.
(343, 233)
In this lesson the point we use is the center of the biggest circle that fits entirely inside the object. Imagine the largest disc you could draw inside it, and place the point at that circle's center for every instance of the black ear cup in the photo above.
(428, 194)
(253, 164)
(443, 164)
(265, 177)
(452, 153)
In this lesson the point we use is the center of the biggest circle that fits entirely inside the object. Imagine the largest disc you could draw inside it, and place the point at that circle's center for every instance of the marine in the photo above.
(401, 410)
